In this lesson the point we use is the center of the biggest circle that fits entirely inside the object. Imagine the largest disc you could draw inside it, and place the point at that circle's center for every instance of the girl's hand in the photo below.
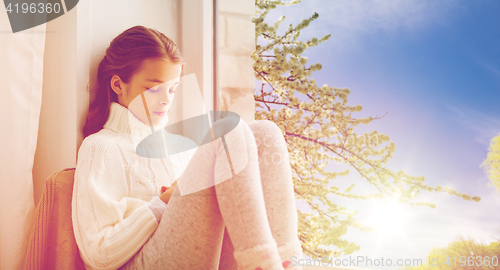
(167, 192)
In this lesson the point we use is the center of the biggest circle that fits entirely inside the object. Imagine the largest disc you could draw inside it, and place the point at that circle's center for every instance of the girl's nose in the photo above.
(165, 98)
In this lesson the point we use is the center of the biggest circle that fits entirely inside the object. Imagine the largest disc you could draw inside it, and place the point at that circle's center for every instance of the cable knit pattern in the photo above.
(113, 187)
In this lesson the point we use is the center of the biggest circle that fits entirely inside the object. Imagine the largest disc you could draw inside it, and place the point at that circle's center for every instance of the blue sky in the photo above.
(434, 68)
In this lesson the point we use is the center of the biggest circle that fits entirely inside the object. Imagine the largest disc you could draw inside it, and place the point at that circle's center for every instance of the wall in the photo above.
(236, 40)
(57, 132)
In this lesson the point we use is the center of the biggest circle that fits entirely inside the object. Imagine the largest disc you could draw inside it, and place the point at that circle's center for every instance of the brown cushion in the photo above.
(52, 243)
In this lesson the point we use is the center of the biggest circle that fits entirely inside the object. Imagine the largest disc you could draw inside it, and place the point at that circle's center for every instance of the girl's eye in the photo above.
(171, 90)
(153, 89)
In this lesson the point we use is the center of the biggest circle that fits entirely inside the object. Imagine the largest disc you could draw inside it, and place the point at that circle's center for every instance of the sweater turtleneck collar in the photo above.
(121, 120)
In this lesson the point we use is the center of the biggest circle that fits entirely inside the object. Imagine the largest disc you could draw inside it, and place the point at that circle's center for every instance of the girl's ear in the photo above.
(116, 84)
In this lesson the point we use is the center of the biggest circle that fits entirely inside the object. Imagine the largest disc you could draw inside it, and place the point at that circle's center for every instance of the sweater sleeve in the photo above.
(158, 207)
(109, 230)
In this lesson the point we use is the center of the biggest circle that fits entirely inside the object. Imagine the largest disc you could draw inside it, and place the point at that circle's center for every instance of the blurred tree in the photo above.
(462, 254)
(492, 163)
(318, 126)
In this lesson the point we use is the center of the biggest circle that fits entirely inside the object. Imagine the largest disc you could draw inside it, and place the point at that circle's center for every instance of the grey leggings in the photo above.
(255, 205)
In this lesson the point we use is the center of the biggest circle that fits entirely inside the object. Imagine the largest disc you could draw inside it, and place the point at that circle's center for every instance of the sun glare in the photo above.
(388, 217)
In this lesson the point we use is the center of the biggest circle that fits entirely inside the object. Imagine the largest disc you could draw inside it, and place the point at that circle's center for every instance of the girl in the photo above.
(118, 219)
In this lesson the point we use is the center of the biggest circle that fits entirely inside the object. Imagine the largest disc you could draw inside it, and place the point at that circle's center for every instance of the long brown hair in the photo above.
(124, 57)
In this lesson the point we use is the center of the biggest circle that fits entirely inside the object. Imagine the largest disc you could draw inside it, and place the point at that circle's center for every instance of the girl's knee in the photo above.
(225, 125)
(220, 128)
(265, 126)
(265, 130)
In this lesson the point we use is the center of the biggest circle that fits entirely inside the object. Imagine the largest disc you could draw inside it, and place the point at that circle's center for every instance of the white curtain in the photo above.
(21, 74)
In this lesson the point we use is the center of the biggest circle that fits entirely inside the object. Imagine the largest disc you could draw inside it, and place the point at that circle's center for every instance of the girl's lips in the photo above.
(160, 113)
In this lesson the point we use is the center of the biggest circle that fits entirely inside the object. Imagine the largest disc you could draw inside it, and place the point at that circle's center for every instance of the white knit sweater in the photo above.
(114, 188)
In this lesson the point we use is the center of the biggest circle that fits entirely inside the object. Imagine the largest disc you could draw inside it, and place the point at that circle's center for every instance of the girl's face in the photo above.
(150, 90)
